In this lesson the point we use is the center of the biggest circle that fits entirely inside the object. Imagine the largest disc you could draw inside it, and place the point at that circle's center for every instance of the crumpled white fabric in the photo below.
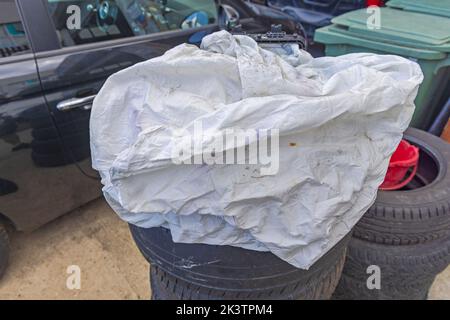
(339, 118)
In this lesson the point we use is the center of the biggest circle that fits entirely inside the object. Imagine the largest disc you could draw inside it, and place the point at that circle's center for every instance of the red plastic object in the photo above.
(378, 3)
(405, 158)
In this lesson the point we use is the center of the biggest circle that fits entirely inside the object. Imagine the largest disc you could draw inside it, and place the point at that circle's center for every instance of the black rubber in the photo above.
(356, 289)
(199, 271)
(4, 249)
(407, 272)
(319, 286)
(419, 215)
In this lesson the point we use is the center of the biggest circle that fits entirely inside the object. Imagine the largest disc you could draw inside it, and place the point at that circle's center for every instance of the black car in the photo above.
(54, 57)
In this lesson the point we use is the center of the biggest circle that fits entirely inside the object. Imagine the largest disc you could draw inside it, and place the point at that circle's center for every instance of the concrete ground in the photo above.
(94, 239)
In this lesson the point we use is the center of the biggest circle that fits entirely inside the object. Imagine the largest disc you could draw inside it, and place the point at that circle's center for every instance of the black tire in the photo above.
(320, 286)
(420, 214)
(4, 249)
(356, 289)
(200, 271)
(407, 272)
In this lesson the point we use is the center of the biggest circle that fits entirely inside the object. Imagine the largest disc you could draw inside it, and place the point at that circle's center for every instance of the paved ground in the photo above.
(94, 239)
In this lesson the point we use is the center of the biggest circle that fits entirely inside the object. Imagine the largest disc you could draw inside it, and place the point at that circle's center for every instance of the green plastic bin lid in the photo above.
(333, 35)
(433, 7)
(398, 27)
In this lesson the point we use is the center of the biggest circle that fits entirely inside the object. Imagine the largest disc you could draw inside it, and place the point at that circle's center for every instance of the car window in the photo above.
(12, 35)
(86, 21)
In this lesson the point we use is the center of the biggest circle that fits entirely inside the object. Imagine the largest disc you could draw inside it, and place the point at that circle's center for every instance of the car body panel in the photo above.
(45, 167)
(31, 195)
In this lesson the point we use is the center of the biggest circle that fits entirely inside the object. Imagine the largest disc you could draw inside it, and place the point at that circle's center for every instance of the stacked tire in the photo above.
(405, 234)
(208, 272)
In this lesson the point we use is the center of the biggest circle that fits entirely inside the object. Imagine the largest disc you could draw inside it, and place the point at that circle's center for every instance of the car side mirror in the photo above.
(229, 17)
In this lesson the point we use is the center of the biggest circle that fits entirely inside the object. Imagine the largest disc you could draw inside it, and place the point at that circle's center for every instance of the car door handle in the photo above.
(75, 103)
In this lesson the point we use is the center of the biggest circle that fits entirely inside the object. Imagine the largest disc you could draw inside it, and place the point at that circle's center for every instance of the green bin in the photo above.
(433, 7)
(420, 37)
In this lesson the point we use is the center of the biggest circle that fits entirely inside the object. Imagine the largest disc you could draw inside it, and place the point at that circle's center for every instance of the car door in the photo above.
(31, 193)
(110, 36)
